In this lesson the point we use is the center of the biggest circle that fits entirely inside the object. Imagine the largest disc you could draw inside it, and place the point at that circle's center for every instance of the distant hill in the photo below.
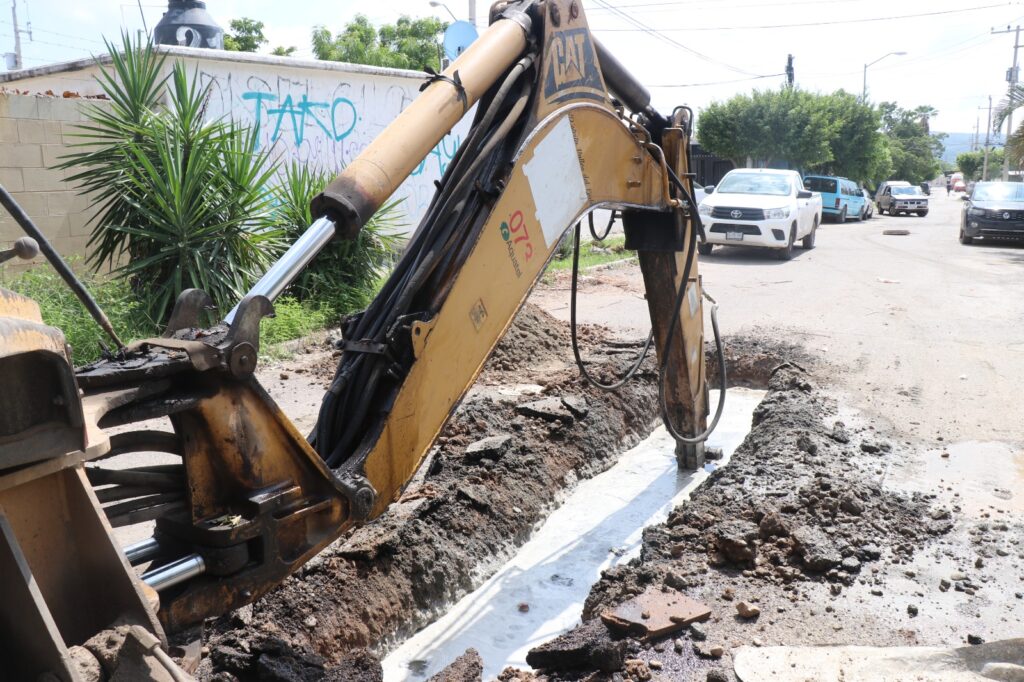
(958, 143)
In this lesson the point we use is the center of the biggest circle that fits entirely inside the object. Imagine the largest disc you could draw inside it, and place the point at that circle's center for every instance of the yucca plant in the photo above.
(344, 276)
(182, 202)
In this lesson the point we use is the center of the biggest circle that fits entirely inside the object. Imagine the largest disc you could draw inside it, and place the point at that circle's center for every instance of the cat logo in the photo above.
(572, 67)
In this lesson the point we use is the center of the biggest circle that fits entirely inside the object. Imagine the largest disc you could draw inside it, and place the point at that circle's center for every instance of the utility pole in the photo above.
(790, 73)
(472, 12)
(988, 129)
(17, 34)
(977, 126)
(1011, 77)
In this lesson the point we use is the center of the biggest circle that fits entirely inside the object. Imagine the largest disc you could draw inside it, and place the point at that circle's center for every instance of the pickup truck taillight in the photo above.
(837, 202)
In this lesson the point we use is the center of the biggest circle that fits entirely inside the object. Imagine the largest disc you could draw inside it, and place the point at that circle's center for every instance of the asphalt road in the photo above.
(918, 330)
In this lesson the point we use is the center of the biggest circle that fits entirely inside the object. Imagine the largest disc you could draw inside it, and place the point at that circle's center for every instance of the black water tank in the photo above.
(187, 23)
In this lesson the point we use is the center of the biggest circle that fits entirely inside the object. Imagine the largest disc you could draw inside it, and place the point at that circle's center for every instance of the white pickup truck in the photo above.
(760, 207)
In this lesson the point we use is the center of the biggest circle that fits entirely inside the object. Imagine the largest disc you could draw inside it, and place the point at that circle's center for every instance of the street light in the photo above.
(864, 95)
(436, 3)
(472, 10)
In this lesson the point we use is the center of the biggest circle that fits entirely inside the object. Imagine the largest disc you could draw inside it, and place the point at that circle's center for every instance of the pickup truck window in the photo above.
(755, 183)
(906, 190)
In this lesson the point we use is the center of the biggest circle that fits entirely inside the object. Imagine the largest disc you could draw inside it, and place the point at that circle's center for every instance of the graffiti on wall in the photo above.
(325, 118)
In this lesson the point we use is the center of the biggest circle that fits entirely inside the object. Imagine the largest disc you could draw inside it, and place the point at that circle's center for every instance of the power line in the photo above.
(698, 85)
(61, 35)
(658, 34)
(823, 23)
(666, 6)
(44, 42)
(902, 64)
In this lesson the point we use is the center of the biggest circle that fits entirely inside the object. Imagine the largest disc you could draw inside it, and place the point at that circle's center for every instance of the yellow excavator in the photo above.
(559, 129)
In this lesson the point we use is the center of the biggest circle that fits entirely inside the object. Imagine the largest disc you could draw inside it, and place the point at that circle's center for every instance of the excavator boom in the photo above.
(559, 129)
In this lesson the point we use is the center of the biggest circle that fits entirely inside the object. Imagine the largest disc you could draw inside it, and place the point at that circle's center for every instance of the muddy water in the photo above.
(540, 592)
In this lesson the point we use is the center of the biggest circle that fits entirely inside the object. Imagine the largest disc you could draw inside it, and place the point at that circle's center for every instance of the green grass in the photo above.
(61, 309)
(292, 320)
(616, 247)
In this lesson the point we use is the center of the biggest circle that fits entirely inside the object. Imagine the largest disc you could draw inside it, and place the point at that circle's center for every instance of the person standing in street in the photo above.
(949, 186)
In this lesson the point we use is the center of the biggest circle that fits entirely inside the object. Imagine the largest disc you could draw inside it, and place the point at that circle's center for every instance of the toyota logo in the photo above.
(1006, 216)
(737, 214)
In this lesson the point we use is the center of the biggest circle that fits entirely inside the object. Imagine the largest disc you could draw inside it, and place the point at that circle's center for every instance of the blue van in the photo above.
(840, 198)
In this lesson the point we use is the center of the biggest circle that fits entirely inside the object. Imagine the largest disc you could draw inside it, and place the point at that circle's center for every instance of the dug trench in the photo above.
(525, 434)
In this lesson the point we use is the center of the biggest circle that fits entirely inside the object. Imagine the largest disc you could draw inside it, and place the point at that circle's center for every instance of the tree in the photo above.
(858, 149)
(971, 164)
(774, 126)
(914, 149)
(246, 35)
(406, 44)
(1015, 141)
(282, 51)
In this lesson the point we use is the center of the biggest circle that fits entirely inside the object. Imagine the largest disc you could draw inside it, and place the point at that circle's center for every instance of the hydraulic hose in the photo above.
(364, 386)
(607, 228)
(631, 372)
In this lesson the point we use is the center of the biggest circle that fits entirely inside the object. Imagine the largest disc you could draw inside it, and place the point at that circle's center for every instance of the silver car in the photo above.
(901, 197)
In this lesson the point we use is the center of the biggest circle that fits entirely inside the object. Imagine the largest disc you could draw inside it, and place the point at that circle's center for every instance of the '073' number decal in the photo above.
(514, 232)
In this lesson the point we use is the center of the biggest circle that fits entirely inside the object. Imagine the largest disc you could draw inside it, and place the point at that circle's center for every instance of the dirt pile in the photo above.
(472, 507)
(770, 542)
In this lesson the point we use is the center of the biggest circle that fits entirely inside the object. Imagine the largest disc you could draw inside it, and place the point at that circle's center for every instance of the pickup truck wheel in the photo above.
(964, 239)
(786, 252)
(842, 216)
(807, 243)
(704, 249)
(922, 213)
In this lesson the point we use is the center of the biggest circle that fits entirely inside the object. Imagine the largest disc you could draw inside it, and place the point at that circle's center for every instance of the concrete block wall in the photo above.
(35, 131)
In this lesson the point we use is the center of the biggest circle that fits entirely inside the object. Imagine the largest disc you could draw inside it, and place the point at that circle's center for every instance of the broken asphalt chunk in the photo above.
(817, 551)
(667, 611)
(488, 448)
(587, 645)
(548, 409)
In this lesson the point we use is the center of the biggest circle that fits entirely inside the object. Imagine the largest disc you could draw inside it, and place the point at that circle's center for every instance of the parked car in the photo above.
(994, 210)
(840, 197)
(698, 193)
(959, 186)
(926, 188)
(898, 196)
(869, 205)
(760, 207)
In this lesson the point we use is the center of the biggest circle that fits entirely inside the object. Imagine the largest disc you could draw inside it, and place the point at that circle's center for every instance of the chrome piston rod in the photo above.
(175, 572)
(143, 550)
(294, 261)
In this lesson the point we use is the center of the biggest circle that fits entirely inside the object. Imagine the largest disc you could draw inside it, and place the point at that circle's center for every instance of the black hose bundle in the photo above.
(368, 377)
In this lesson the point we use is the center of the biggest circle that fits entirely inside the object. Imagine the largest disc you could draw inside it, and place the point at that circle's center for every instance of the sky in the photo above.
(687, 52)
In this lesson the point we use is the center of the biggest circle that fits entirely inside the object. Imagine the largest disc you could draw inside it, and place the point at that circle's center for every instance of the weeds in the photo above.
(593, 253)
(61, 309)
(292, 320)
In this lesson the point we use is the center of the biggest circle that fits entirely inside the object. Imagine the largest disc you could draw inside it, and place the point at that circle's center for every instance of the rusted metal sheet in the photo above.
(655, 613)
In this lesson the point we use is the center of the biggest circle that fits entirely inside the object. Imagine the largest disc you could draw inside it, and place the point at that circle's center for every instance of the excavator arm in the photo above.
(560, 128)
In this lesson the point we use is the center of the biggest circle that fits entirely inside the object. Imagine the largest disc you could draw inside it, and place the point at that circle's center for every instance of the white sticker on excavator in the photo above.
(556, 181)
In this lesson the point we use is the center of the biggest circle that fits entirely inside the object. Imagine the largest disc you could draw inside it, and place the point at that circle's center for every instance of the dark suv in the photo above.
(993, 210)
